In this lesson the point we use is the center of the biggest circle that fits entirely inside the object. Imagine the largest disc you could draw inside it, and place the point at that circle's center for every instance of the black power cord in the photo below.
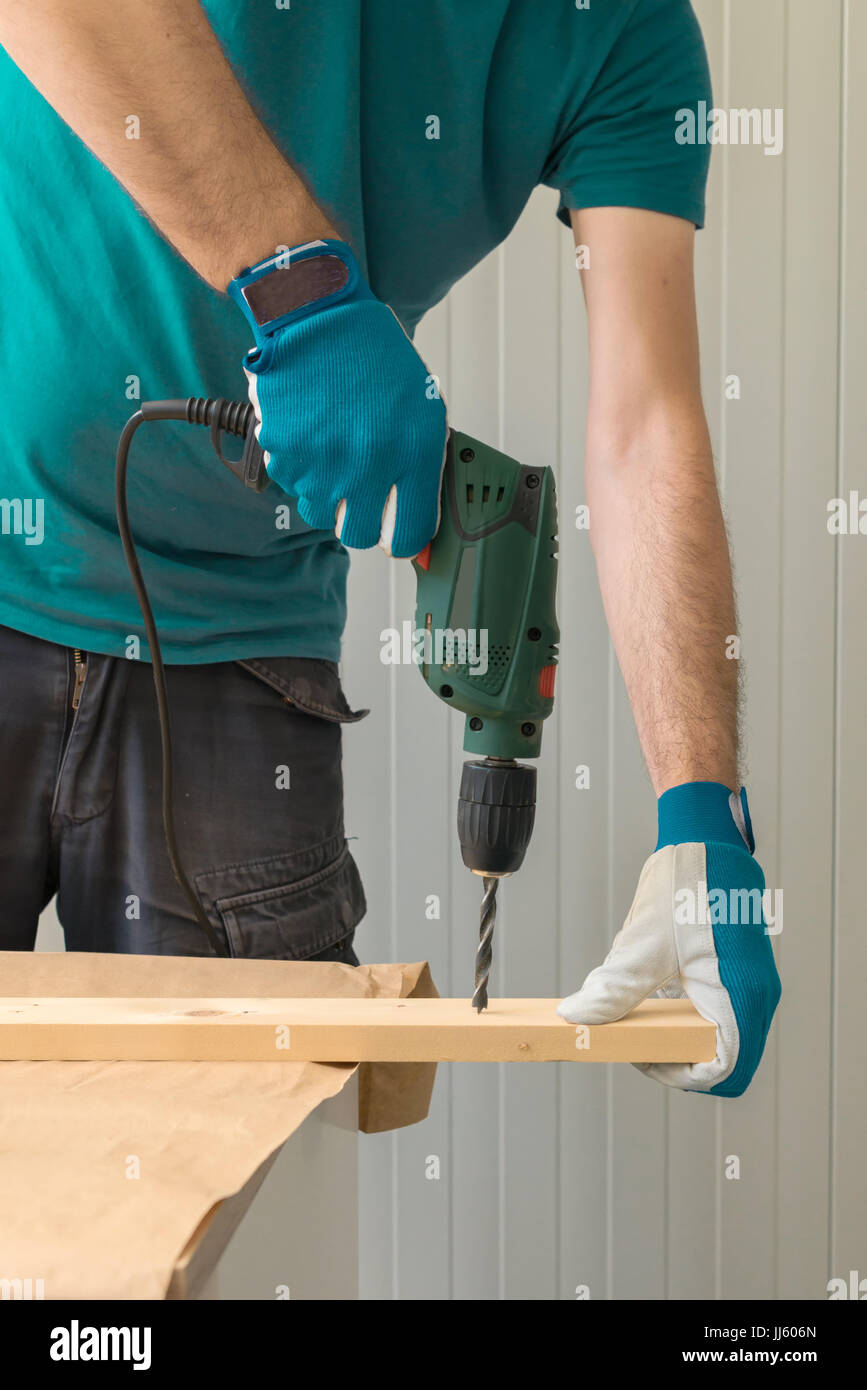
(231, 417)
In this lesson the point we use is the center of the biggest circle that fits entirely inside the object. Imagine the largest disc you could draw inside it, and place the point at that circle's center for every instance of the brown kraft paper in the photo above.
(72, 1132)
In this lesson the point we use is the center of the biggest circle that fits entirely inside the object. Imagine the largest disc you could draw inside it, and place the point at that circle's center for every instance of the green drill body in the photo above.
(486, 606)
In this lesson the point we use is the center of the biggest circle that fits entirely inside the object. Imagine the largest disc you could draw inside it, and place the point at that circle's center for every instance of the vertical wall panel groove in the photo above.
(806, 631)
(849, 1193)
(754, 307)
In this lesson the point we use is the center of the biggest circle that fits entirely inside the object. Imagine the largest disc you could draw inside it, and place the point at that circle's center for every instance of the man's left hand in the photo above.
(696, 928)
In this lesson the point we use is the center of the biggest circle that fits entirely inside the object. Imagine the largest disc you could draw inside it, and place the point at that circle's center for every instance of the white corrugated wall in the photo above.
(551, 1177)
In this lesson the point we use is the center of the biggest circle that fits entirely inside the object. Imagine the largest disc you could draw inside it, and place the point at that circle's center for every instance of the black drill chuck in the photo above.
(496, 810)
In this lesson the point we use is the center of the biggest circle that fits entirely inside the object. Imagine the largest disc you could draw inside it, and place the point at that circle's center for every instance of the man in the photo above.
(321, 163)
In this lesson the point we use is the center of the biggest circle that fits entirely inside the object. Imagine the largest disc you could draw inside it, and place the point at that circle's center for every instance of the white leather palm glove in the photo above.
(696, 927)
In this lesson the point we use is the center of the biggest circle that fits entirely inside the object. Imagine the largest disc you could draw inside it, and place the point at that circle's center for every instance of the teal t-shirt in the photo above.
(99, 311)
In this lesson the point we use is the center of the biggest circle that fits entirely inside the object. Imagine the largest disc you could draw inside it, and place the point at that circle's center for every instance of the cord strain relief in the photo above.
(237, 417)
(234, 417)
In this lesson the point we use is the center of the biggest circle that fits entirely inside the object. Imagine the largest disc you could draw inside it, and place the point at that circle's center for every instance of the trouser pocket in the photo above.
(298, 906)
(312, 686)
(298, 895)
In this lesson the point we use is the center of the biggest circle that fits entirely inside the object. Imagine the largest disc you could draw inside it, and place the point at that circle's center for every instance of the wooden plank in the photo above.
(342, 1030)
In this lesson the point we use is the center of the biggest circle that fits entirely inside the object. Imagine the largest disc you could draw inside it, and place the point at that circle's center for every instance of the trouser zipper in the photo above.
(79, 668)
(80, 674)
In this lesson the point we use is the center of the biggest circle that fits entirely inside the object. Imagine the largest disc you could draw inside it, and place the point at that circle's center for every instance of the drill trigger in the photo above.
(422, 559)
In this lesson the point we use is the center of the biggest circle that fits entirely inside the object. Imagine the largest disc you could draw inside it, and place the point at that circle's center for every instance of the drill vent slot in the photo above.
(499, 660)
(486, 493)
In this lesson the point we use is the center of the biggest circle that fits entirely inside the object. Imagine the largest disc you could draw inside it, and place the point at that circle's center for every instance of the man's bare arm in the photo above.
(655, 519)
(204, 169)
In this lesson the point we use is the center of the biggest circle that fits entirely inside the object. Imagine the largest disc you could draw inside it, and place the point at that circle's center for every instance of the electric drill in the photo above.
(486, 635)
(486, 606)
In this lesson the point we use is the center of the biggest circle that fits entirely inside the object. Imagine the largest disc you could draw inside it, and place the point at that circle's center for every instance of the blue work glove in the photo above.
(696, 927)
(350, 419)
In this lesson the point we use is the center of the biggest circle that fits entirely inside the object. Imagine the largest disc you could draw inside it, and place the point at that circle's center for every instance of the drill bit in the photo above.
(484, 955)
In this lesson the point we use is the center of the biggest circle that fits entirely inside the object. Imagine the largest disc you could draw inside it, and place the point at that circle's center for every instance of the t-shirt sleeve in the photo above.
(627, 144)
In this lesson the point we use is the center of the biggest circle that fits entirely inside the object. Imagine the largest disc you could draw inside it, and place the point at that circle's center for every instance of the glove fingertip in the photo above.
(358, 530)
(313, 514)
(566, 1008)
(666, 1074)
(408, 539)
(578, 1008)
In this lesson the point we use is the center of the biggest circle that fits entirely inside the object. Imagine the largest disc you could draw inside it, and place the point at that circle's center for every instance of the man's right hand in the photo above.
(350, 419)
(348, 411)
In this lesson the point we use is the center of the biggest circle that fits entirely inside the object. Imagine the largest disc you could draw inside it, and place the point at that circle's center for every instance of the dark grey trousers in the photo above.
(258, 805)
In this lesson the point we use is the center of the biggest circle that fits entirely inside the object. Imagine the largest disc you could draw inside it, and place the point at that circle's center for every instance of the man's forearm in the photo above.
(663, 561)
(204, 168)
